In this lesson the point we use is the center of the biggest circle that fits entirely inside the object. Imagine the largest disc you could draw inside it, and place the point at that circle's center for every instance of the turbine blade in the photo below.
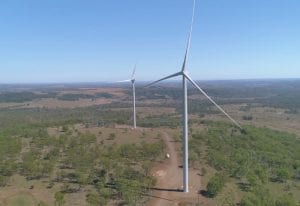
(133, 73)
(127, 80)
(167, 77)
(189, 40)
(210, 99)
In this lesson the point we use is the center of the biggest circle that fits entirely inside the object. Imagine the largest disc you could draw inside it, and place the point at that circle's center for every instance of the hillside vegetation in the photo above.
(73, 160)
(86, 154)
(255, 159)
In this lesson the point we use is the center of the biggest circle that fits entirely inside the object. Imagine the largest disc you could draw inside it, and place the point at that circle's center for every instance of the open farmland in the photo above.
(73, 145)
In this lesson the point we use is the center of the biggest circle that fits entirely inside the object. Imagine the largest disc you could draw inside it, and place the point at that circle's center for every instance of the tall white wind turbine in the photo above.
(185, 77)
(132, 80)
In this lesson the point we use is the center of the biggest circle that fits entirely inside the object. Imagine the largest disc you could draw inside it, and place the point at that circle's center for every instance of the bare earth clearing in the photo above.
(168, 190)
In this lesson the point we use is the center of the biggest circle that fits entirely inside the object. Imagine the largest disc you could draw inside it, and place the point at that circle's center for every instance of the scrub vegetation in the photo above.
(254, 159)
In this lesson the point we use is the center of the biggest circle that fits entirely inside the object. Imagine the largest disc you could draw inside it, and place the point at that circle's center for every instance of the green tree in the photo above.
(146, 167)
(3, 181)
(259, 197)
(203, 171)
(283, 174)
(261, 173)
(59, 198)
(112, 136)
(65, 128)
(286, 200)
(252, 179)
(215, 185)
(250, 200)
(94, 199)
(41, 203)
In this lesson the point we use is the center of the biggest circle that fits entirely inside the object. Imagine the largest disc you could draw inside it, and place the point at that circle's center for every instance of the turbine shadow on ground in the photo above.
(157, 197)
(166, 189)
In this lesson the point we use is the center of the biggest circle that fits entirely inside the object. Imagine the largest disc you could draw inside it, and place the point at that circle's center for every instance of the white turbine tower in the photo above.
(185, 77)
(132, 80)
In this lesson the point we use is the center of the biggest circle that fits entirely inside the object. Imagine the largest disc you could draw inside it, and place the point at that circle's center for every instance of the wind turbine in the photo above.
(132, 80)
(184, 74)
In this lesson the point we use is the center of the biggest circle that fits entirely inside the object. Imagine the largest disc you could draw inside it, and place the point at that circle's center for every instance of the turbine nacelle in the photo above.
(132, 80)
(185, 74)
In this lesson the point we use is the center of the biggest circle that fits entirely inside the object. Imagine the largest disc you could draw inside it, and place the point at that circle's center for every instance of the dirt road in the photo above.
(168, 190)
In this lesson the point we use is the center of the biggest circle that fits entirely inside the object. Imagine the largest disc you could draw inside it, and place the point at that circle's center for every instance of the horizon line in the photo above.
(144, 81)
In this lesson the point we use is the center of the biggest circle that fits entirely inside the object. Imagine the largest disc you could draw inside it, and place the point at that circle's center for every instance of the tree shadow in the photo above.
(162, 189)
(245, 187)
(153, 196)
(205, 193)
(175, 141)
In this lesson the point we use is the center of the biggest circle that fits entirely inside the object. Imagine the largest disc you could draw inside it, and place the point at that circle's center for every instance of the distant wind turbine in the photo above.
(132, 80)
(185, 77)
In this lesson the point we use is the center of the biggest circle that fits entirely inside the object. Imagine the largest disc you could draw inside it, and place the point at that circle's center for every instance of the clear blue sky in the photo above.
(87, 41)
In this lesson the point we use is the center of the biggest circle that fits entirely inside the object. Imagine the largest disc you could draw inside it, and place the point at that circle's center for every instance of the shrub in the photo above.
(282, 175)
(59, 198)
(215, 185)
(286, 200)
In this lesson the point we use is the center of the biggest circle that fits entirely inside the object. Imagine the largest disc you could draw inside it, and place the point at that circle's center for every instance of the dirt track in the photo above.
(168, 190)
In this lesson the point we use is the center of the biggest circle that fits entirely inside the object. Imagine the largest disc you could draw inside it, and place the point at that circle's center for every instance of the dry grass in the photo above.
(147, 111)
(123, 135)
(19, 192)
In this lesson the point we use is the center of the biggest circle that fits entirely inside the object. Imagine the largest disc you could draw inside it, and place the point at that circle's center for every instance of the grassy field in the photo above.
(21, 200)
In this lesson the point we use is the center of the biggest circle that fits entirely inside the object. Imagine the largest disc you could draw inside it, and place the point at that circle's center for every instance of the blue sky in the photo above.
(88, 41)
